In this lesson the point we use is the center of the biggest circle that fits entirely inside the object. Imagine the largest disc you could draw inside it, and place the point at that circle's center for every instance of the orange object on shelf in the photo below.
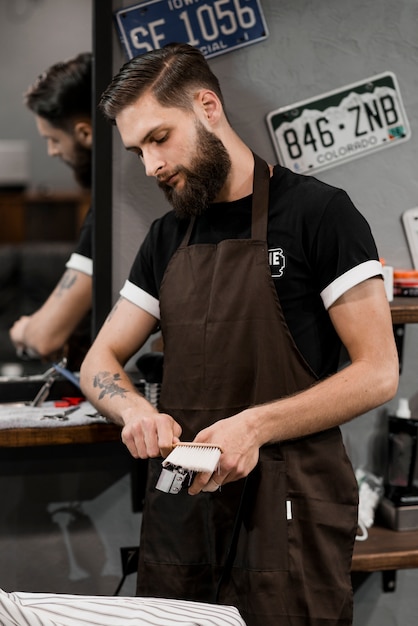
(405, 282)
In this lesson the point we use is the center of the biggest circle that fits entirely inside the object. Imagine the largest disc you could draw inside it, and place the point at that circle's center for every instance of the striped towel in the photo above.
(42, 609)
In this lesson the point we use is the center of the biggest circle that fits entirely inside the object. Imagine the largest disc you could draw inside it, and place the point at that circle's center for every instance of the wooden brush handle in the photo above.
(197, 445)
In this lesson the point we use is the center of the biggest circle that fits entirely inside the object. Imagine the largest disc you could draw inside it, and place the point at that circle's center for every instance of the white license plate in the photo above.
(340, 125)
(215, 26)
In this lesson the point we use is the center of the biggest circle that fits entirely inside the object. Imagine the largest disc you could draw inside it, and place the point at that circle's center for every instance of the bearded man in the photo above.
(256, 278)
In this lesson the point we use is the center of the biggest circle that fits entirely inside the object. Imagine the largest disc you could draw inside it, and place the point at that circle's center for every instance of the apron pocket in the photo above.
(321, 546)
(263, 537)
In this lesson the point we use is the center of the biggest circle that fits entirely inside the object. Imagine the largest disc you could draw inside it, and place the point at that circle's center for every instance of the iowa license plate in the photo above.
(214, 26)
(340, 125)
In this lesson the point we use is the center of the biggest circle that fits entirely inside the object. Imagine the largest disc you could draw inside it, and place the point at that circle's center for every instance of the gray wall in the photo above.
(316, 46)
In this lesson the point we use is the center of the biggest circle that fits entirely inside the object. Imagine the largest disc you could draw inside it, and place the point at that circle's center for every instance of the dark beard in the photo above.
(204, 180)
(82, 166)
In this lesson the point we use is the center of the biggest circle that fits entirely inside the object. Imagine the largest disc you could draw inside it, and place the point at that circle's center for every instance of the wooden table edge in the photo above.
(60, 435)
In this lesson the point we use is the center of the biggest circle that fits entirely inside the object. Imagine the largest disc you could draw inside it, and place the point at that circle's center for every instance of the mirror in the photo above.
(41, 206)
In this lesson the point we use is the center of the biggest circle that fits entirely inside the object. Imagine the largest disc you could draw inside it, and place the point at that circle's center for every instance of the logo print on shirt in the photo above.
(277, 262)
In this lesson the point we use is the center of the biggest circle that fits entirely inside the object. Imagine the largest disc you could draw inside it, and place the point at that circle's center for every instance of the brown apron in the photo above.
(278, 544)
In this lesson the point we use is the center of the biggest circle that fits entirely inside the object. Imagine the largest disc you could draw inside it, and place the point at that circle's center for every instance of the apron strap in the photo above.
(261, 188)
(188, 234)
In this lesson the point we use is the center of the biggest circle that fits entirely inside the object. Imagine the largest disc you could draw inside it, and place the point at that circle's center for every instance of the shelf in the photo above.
(404, 310)
(386, 549)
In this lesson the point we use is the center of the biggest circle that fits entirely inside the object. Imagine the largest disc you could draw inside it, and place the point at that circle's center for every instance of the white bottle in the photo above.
(403, 409)
(387, 271)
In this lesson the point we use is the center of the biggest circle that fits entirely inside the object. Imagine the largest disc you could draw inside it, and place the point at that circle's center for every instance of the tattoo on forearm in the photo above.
(108, 385)
(67, 281)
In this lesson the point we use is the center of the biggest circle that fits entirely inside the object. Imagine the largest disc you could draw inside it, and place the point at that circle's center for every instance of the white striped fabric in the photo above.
(42, 609)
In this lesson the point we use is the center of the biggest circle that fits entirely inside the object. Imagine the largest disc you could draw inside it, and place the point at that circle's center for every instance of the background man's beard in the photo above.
(82, 166)
(205, 178)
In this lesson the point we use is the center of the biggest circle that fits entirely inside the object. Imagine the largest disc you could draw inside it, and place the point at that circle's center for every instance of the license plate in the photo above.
(215, 26)
(340, 125)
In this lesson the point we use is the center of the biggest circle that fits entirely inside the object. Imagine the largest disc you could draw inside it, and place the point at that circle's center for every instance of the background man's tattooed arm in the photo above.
(66, 282)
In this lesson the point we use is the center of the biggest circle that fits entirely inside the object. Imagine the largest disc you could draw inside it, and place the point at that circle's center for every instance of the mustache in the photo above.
(180, 169)
(162, 180)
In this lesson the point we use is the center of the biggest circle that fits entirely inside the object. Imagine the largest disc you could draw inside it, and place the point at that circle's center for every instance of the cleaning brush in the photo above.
(195, 457)
(184, 461)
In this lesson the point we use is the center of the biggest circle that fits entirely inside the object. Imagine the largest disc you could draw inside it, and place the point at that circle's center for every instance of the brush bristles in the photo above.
(194, 457)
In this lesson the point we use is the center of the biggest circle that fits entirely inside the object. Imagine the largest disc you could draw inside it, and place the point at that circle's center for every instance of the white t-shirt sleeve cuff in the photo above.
(141, 298)
(80, 263)
(353, 277)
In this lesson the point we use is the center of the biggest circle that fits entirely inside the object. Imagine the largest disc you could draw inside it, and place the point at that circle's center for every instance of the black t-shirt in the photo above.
(85, 244)
(319, 247)
(82, 257)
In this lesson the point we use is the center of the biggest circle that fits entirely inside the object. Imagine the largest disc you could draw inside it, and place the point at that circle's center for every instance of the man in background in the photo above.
(61, 100)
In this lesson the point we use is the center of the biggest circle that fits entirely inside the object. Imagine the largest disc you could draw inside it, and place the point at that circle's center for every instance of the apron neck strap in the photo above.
(188, 234)
(259, 204)
(260, 199)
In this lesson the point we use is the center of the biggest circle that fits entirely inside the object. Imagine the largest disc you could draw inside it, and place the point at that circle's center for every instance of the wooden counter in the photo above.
(91, 433)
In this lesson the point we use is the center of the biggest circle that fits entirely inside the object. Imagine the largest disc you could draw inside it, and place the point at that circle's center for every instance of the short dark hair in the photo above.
(171, 74)
(63, 92)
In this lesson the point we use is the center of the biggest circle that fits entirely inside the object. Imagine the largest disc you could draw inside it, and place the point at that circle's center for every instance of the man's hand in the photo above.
(150, 434)
(17, 331)
(25, 351)
(240, 447)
